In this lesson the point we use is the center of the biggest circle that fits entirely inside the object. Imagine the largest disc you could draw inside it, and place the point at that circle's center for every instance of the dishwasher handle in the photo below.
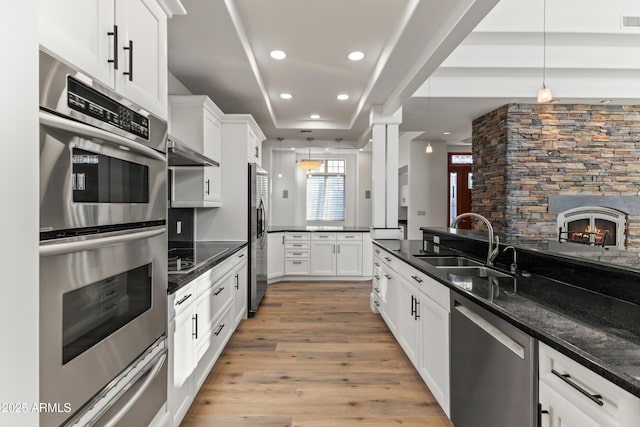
(493, 331)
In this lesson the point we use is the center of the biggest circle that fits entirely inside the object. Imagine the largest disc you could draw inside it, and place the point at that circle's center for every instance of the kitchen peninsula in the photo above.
(582, 317)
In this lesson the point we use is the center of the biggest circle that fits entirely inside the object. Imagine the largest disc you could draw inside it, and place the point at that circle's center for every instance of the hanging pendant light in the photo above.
(544, 95)
(308, 164)
(280, 158)
(429, 148)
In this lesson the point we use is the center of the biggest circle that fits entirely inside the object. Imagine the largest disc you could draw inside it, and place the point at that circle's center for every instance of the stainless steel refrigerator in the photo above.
(258, 209)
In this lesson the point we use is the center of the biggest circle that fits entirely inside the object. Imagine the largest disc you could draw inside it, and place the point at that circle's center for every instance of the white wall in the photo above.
(176, 87)
(364, 205)
(19, 171)
(292, 210)
(427, 187)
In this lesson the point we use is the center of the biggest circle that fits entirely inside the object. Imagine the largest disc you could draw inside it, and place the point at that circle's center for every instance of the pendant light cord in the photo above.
(544, 42)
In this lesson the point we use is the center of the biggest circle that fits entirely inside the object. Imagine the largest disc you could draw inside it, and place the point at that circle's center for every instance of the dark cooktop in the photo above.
(183, 260)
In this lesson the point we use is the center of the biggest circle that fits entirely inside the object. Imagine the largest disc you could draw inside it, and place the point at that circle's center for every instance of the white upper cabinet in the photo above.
(121, 43)
(195, 121)
(248, 133)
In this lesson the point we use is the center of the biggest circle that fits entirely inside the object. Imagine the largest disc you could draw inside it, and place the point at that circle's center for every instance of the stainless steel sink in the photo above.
(473, 271)
(450, 261)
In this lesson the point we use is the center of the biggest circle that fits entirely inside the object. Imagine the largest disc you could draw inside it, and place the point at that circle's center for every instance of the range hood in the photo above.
(179, 154)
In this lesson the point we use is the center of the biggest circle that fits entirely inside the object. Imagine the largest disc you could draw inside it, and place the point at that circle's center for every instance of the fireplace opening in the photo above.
(592, 225)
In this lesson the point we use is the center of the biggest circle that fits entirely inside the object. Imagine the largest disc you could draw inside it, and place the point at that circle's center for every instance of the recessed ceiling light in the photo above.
(278, 54)
(370, 139)
(362, 149)
(314, 116)
(293, 148)
(343, 97)
(355, 55)
(286, 96)
(326, 149)
(605, 101)
(446, 133)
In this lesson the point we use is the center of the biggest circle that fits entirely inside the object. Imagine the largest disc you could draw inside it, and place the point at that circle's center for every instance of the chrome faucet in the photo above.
(513, 268)
(494, 241)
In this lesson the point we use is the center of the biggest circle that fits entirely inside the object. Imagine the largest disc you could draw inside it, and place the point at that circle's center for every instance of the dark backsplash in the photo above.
(186, 216)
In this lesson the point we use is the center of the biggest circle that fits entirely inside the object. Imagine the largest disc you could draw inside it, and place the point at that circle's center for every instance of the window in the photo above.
(325, 192)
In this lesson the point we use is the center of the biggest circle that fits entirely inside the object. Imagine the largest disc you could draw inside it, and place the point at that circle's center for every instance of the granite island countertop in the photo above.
(596, 330)
(176, 281)
(325, 228)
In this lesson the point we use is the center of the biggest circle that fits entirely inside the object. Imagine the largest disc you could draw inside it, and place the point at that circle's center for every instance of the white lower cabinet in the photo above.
(202, 316)
(323, 257)
(572, 395)
(275, 259)
(416, 308)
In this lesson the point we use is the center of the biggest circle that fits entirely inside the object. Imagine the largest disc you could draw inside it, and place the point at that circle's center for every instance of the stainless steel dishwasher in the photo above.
(493, 370)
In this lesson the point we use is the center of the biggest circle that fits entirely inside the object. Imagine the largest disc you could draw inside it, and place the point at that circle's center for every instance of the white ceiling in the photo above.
(221, 49)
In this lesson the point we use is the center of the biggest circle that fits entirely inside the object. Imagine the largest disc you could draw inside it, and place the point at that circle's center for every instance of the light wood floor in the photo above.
(314, 355)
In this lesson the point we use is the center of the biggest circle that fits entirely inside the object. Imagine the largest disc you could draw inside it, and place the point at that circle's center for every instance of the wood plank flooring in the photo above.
(314, 356)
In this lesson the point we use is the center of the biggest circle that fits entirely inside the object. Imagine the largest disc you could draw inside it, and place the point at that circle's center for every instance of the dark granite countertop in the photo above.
(325, 228)
(176, 281)
(594, 329)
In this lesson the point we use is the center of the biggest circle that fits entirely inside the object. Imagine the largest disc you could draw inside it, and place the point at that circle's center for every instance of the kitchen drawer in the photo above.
(323, 236)
(619, 407)
(293, 253)
(435, 290)
(297, 245)
(295, 236)
(181, 300)
(214, 339)
(349, 236)
(293, 266)
(389, 260)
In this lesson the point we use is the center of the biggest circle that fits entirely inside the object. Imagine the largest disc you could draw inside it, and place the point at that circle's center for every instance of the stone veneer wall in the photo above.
(523, 153)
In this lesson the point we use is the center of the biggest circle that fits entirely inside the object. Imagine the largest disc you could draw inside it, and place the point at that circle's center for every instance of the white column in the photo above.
(385, 134)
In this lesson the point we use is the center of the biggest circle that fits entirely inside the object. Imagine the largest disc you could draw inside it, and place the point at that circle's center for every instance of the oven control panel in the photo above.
(89, 101)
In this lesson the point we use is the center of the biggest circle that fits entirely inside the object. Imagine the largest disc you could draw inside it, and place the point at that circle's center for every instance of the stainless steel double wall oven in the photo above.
(103, 253)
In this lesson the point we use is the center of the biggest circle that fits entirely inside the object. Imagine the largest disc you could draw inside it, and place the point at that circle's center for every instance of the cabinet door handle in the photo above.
(540, 413)
(237, 281)
(208, 185)
(283, 239)
(417, 313)
(216, 333)
(241, 256)
(183, 299)
(377, 290)
(220, 289)
(376, 276)
(377, 303)
(388, 276)
(387, 258)
(595, 398)
(417, 279)
(114, 61)
(334, 249)
(413, 310)
(130, 72)
(194, 320)
(338, 248)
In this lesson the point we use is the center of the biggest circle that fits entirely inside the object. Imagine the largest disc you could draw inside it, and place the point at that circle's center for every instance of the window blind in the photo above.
(325, 198)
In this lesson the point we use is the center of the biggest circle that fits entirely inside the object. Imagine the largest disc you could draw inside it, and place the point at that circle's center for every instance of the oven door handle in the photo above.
(50, 249)
(56, 122)
(153, 373)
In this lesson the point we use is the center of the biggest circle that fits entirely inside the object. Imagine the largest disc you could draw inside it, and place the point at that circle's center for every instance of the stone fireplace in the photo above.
(534, 161)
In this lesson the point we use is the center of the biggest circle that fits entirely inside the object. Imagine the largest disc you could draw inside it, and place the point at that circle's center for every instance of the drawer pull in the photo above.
(297, 253)
(595, 398)
(377, 264)
(219, 290)
(417, 279)
(387, 258)
(183, 299)
(216, 333)
(297, 262)
(377, 251)
(297, 245)
(377, 290)
(241, 256)
(388, 276)
(376, 276)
